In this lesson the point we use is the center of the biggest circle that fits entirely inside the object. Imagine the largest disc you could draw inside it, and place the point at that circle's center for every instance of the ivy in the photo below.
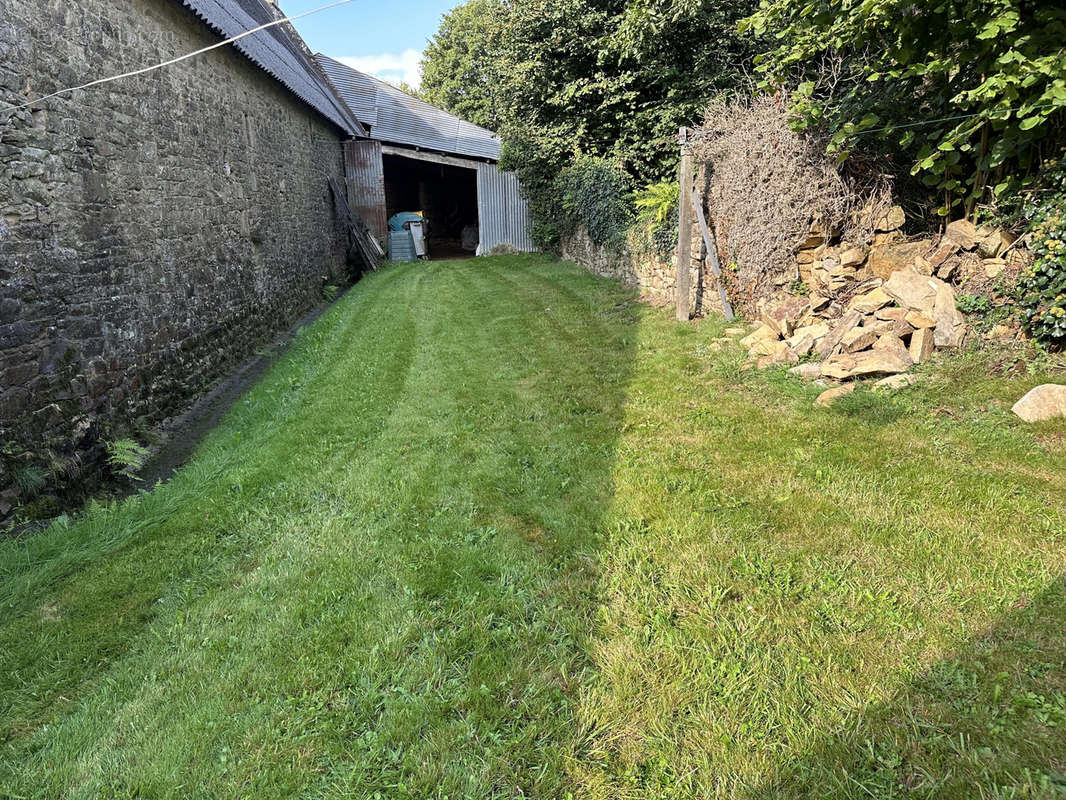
(594, 193)
(1041, 288)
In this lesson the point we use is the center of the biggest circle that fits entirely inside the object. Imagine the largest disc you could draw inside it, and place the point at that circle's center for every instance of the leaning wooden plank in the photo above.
(361, 241)
(712, 252)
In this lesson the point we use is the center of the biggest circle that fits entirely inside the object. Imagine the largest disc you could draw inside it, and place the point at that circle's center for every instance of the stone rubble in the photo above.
(873, 311)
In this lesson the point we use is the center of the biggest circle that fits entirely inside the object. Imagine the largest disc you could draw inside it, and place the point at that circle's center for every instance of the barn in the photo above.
(417, 157)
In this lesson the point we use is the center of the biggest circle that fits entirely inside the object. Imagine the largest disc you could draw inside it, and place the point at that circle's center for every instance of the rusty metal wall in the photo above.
(502, 210)
(364, 173)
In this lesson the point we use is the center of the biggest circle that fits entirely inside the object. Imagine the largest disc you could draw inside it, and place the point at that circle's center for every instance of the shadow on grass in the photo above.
(987, 721)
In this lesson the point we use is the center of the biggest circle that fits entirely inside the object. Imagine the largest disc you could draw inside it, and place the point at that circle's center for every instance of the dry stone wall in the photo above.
(152, 231)
(638, 266)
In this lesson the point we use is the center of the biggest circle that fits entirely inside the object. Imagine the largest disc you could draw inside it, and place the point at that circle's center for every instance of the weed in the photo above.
(31, 479)
(126, 457)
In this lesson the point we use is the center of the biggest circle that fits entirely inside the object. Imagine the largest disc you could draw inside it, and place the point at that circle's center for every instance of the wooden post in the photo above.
(684, 230)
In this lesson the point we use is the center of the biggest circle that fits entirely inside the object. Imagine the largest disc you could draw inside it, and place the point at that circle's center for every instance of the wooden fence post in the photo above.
(684, 230)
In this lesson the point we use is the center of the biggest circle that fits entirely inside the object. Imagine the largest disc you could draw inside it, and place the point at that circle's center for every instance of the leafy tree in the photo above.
(971, 92)
(459, 71)
(611, 79)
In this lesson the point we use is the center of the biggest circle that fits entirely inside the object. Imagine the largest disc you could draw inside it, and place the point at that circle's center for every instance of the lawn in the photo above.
(493, 529)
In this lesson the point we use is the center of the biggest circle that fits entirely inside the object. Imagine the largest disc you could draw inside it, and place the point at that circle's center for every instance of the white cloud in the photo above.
(390, 67)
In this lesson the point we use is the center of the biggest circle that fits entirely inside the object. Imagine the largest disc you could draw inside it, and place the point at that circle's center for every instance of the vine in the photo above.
(1041, 287)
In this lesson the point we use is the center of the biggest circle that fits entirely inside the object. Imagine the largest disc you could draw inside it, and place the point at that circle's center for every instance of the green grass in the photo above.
(492, 529)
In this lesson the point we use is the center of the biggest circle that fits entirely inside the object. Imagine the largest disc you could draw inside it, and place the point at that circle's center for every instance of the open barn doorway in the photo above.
(445, 195)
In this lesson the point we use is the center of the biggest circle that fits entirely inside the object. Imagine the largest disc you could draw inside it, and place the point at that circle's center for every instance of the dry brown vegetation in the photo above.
(769, 186)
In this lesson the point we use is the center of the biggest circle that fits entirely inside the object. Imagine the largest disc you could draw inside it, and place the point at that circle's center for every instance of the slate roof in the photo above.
(279, 51)
(397, 117)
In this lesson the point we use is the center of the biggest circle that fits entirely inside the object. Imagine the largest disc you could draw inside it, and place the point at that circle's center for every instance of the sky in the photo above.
(382, 37)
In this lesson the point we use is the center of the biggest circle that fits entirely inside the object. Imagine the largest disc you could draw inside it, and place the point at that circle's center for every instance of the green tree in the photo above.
(605, 78)
(970, 92)
(459, 69)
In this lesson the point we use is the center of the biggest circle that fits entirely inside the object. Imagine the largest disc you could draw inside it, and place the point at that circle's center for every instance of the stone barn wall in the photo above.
(153, 231)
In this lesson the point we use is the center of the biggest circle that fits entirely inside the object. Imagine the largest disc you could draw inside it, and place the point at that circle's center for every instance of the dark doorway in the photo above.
(446, 195)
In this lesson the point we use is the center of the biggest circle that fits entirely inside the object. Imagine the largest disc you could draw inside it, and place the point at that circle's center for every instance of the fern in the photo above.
(126, 457)
(657, 201)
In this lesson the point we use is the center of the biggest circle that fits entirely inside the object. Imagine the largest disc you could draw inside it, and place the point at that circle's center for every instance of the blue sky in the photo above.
(376, 36)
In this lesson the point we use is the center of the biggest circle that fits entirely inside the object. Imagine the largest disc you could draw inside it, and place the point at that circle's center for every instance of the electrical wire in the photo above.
(170, 62)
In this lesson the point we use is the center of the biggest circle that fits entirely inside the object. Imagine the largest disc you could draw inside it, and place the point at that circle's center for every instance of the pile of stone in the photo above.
(875, 310)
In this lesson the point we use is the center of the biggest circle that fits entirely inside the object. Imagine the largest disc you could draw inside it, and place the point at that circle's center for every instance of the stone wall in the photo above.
(639, 266)
(152, 231)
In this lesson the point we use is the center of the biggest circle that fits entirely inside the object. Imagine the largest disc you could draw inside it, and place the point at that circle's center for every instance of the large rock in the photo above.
(781, 315)
(808, 371)
(892, 314)
(912, 291)
(878, 326)
(991, 243)
(947, 249)
(801, 344)
(852, 257)
(921, 345)
(763, 341)
(894, 319)
(963, 233)
(870, 302)
(866, 363)
(923, 266)
(858, 339)
(916, 319)
(815, 331)
(831, 340)
(886, 259)
(818, 303)
(1042, 403)
(827, 397)
(993, 267)
(783, 354)
(950, 323)
(893, 344)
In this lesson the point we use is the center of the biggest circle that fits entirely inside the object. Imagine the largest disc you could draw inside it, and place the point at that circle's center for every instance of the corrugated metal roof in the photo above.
(279, 51)
(394, 116)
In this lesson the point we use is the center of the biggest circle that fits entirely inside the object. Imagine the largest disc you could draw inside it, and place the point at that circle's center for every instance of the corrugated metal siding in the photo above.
(395, 116)
(278, 51)
(502, 210)
(365, 174)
